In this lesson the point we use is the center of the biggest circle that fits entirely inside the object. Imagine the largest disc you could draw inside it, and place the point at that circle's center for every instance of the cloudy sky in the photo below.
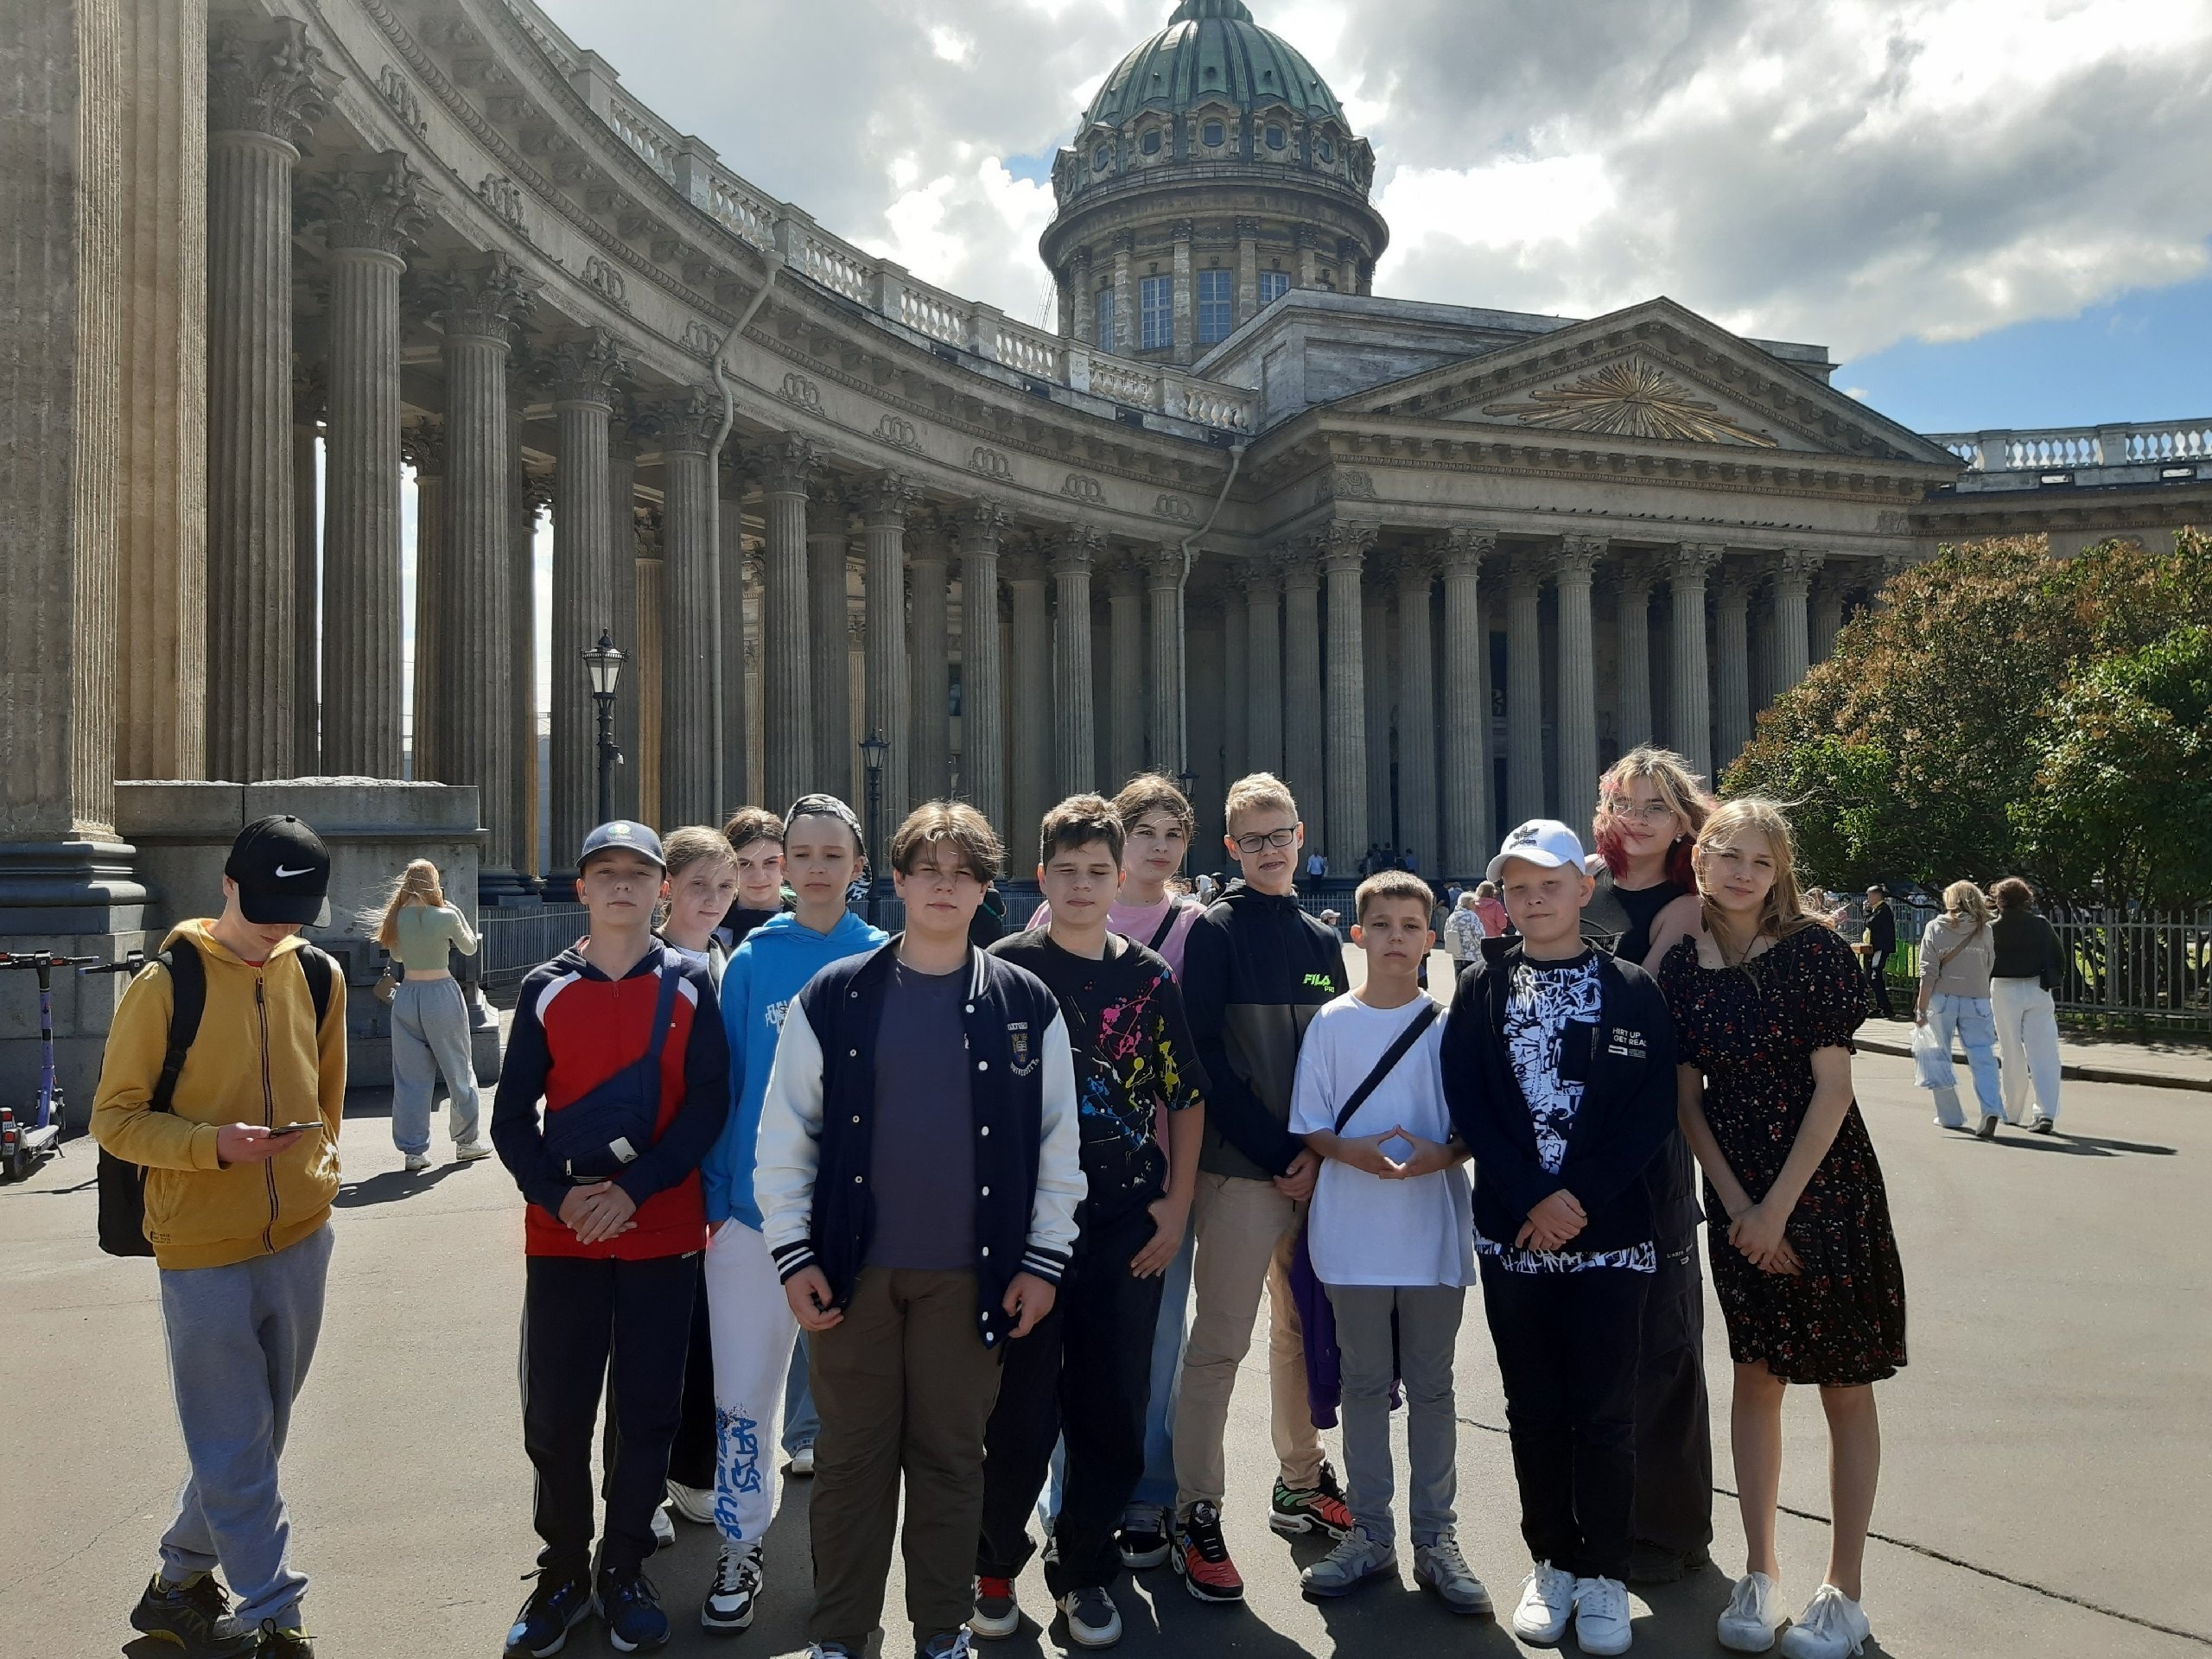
(1994, 212)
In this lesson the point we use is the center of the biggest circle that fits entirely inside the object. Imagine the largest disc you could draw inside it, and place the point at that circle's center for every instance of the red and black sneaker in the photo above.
(1202, 1557)
(1319, 1508)
(996, 1612)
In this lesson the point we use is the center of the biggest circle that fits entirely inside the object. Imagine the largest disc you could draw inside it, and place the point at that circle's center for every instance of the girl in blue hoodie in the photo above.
(753, 1330)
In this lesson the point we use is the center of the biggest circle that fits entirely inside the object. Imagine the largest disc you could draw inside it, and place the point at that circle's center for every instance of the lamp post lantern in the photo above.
(873, 749)
(604, 662)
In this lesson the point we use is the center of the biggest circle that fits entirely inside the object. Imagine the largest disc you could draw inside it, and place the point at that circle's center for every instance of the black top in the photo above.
(741, 921)
(1619, 918)
(1134, 1059)
(1881, 928)
(2027, 948)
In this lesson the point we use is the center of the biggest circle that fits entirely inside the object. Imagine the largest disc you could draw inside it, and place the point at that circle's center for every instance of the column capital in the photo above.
(1255, 576)
(1163, 564)
(1124, 575)
(422, 445)
(1634, 575)
(1183, 230)
(1793, 568)
(685, 424)
(374, 204)
(481, 299)
(1023, 562)
(1578, 557)
(583, 367)
(267, 80)
(310, 390)
(1346, 542)
(1301, 564)
(1076, 547)
(1737, 582)
(1692, 562)
(828, 512)
(929, 540)
(1411, 570)
(1525, 571)
(980, 526)
(783, 465)
(886, 498)
(1125, 242)
(1465, 551)
(1080, 259)
(1247, 227)
(533, 489)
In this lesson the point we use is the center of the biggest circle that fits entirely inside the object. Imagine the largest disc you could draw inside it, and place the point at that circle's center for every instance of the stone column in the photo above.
(1344, 556)
(1030, 697)
(161, 463)
(1578, 684)
(1263, 667)
(729, 585)
(1248, 274)
(371, 212)
(1236, 656)
(691, 633)
(1303, 763)
(789, 745)
(1079, 300)
(929, 652)
(1186, 293)
(1309, 259)
(884, 507)
(1632, 598)
(1793, 575)
(424, 448)
(1826, 619)
(1125, 734)
(1125, 295)
(982, 688)
(625, 547)
(1732, 664)
(1687, 566)
(1414, 571)
(829, 540)
(479, 305)
(1167, 734)
(1075, 740)
(580, 372)
(643, 773)
(310, 402)
(1378, 695)
(1524, 690)
(266, 89)
(1466, 704)
(533, 494)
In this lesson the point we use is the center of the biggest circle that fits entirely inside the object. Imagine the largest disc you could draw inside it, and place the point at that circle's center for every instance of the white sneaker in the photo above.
(694, 1504)
(417, 1162)
(735, 1591)
(801, 1463)
(469, 1152)
(1831, 1626)
(1547, 1603)
(1755, 1614)
(1601, 1616)
(664, 1528)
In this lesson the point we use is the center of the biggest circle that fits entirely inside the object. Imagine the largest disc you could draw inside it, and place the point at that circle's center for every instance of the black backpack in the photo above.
(123, 1183)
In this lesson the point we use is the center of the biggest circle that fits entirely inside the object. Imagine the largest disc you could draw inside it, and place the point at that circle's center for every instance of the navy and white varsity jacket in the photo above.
(813, 1180)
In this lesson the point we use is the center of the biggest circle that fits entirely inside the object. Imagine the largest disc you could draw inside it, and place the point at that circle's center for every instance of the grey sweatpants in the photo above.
(239, 1341)
(429, 1034)
(1428, 1331)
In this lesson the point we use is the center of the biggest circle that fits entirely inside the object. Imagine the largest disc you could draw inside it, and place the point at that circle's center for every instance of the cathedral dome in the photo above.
(1210, 49)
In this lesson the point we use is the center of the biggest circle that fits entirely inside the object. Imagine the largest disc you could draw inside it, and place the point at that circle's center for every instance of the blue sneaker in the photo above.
(554, 1609)
(631, 1606)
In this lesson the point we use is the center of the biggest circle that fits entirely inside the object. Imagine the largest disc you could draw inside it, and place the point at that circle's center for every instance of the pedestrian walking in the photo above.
(1491, 909)
(1463, 930)
(429, 1017)
(1766, 998)
(2026, 967)
(1957, 951)
(1879, 945)
(238, 1214)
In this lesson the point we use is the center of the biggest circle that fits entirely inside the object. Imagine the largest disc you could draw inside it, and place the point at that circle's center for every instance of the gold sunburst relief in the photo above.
(1629, 400)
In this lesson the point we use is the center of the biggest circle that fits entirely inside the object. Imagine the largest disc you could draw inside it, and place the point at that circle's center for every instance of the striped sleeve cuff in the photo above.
(790, 1259)
(1045, 1264)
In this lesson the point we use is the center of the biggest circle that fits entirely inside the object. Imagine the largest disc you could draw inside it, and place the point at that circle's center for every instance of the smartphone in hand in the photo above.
(297, 1129)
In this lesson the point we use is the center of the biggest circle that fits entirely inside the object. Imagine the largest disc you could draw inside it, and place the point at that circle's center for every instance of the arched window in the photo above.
(1102, 158)
(1150, 142)
(1326, 150)
(1277, 137)
(1213, 133)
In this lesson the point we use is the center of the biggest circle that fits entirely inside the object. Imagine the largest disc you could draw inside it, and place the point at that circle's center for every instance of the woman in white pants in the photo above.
(429, 1017)
(1956, 952)
(2027, 967)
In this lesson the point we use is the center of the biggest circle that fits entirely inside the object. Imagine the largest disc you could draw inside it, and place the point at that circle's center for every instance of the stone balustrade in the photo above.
(2049, 449)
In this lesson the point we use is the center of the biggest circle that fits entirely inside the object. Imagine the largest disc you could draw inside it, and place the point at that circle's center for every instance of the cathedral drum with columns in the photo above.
(1434, 564)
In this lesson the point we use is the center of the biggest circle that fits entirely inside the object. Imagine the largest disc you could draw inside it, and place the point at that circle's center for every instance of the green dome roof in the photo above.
(1212, 48)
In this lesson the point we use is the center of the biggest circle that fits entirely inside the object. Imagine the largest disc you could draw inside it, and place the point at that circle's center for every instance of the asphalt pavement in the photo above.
(2049, 1450)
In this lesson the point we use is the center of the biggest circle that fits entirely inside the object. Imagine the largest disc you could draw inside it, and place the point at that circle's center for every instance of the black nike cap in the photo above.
(282, 870)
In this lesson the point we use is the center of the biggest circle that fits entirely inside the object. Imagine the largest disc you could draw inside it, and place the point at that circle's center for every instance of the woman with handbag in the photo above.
(429, 1016)
(1957, 952)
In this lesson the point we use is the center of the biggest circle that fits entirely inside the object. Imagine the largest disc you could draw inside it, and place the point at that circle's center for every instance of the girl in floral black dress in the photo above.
(1765, 997)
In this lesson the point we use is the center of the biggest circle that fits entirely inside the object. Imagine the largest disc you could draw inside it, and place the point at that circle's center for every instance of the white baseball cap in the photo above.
(1544, 842)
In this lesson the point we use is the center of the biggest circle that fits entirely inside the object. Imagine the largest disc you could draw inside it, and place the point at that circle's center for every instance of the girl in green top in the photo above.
(429, 1016)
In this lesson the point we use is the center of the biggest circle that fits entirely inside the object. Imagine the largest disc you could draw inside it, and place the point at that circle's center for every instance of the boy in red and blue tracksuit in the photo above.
(615, 1229)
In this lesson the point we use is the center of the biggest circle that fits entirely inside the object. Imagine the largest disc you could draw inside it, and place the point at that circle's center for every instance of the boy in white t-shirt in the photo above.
(1392, 1238)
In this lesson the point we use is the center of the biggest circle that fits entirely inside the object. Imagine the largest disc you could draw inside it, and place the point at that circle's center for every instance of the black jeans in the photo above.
(691, 1457)
(1085, 1373)
(1877, 980)
(622, 1327)
(1566, 1353)
(1674, 1430)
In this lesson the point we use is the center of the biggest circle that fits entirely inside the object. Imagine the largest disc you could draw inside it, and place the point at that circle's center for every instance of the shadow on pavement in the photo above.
(2082, 1146)
(393, 1184)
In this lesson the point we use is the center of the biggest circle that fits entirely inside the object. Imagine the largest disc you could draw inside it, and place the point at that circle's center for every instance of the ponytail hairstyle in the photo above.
(1678, 786)
(1784, 912)
(418, 884)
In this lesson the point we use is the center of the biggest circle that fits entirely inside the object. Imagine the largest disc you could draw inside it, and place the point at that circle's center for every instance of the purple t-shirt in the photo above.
(922, 1157)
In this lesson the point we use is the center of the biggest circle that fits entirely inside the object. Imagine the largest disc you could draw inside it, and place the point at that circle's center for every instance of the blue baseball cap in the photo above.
(620, 835)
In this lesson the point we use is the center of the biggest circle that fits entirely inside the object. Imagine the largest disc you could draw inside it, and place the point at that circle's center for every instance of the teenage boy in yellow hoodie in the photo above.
(238, 1217)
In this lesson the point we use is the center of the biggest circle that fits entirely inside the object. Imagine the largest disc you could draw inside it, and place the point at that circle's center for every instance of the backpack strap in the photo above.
(672, 971)
(321, 970)
(187, 1001)
(1384, 1067)
(1174, 909)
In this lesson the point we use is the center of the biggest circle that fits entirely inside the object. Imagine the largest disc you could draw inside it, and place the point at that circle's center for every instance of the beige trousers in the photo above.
(1246, 1230)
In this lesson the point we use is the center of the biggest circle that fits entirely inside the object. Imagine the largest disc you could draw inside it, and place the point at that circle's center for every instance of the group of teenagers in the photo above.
(998, 1223)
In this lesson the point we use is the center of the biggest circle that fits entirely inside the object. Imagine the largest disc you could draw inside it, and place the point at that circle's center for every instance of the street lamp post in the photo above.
(873, 749)
(603, 661)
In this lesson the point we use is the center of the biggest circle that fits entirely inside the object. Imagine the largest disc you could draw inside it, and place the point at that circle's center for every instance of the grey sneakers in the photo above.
(1440, 1569)
(1357, 1559)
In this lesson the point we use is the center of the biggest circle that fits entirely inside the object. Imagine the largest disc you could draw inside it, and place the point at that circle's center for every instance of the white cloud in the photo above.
(1846, 171)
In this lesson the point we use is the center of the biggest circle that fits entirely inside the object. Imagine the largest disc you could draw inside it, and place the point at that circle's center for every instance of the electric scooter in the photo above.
(28, 1141)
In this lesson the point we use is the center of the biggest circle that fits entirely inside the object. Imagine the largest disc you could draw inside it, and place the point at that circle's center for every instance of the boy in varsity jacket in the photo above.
(618, 1036)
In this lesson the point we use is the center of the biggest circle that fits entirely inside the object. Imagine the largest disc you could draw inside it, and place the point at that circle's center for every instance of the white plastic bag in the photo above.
(1931, 1063)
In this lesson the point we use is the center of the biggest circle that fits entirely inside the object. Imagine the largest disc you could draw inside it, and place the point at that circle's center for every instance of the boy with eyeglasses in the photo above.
(917, 1179)
(1257, 971)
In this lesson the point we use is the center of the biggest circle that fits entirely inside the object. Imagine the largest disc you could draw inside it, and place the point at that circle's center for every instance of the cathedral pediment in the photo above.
(1634, 397)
